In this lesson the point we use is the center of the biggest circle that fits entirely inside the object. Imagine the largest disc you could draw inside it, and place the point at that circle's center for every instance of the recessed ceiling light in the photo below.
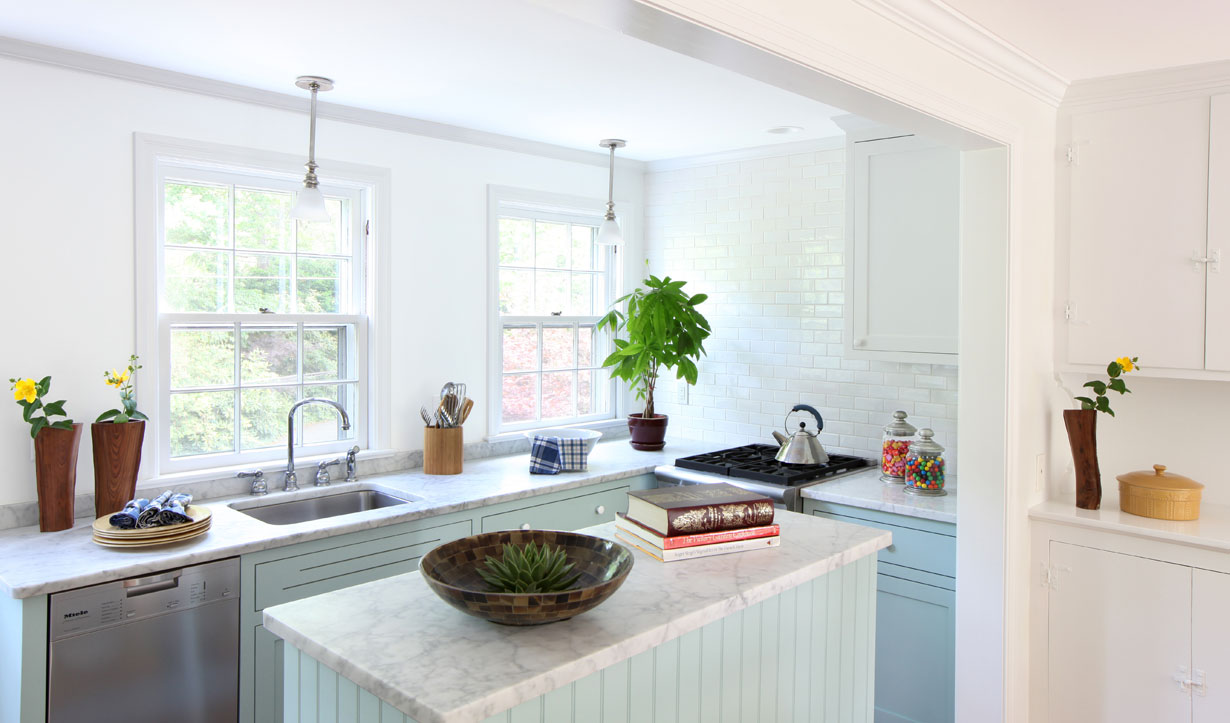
(783, 130)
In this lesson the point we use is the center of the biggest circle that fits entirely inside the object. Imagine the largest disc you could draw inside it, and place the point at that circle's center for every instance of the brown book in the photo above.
(693, 509)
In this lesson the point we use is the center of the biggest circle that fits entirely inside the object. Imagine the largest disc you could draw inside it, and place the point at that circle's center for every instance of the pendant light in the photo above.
(310, 205)
(609, 233)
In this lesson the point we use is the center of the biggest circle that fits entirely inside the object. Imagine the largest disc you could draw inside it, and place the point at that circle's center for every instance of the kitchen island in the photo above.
(779, 633)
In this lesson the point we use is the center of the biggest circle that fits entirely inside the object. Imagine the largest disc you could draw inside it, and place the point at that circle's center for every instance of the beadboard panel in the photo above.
(804, 656)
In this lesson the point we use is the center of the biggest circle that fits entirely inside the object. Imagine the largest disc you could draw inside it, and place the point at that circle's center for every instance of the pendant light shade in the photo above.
(609, 233)
(310, 204)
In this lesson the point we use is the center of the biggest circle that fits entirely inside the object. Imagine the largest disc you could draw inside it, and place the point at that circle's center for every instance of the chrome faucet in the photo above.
(351, 475)
(291, 482)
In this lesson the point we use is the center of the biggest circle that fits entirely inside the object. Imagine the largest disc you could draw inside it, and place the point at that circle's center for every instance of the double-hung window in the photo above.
(552, 285)
(256, 311)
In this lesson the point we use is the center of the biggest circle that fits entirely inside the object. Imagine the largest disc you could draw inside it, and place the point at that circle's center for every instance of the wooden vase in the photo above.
(442, 450)
(55, 464)
(117, 457)
(1082, 437)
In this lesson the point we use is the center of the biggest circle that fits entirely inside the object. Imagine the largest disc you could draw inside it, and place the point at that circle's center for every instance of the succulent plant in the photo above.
(529, 569)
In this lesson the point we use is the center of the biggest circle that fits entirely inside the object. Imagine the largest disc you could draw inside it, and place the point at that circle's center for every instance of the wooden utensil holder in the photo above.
(442, 450)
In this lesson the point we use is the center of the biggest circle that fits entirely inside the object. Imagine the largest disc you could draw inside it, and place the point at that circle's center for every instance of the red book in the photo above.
(693, 509)
(678, 542)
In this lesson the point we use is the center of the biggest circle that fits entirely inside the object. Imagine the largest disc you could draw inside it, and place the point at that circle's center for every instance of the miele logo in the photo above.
(77, 614)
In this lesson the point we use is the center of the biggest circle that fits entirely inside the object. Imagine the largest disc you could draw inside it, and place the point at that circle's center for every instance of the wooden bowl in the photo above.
(451, 571)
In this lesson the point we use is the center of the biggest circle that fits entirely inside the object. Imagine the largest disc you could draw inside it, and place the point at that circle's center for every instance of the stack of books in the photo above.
(686, 522)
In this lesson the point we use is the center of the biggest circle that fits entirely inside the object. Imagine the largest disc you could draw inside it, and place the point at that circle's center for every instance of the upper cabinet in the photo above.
(902, 241)
(1145, 186)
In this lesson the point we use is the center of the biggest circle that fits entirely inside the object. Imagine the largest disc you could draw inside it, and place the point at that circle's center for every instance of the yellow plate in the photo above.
(200, 517)
(150, 543)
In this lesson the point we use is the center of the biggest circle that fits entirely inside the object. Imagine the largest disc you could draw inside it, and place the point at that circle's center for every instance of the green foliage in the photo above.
(1115, 370)
(125, 382)
(37, 412)
(664, 330)
(529, 569)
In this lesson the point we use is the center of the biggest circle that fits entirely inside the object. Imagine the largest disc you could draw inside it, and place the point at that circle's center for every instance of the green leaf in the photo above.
(1118, 385)
(63, 424)
(139, 415)
(697, 299)
(1097, 387)
(36, 425)
(121, 418)
(109, 414)
(56, 408)
(1113, 369)
(1086, 402)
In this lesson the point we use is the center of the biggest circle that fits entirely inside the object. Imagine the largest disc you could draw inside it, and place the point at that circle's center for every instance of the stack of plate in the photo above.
(108, 536)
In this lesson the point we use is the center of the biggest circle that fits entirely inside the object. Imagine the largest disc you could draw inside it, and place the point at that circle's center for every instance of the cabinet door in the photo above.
(905, 249)
(915, 652)
(570, 514)
(1217, 335)
(267, 654)
(1120, 631)
(1210, 647)
(1139, 195)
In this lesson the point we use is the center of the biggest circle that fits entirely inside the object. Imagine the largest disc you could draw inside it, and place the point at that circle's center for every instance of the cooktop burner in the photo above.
(755, 461)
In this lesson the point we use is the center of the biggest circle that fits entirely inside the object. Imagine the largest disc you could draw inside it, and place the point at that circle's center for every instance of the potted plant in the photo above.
(663, 331)
(117, 435)
(55, 452)
(1082, 430)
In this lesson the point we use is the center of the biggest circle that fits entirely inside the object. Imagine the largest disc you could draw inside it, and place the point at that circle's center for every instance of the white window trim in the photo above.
(560, 207)
(150, 154)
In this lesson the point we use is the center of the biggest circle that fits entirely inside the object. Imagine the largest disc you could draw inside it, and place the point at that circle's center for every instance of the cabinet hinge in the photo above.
(367, 228)
(1050, 576)
(1069, 154)
(1069, 311)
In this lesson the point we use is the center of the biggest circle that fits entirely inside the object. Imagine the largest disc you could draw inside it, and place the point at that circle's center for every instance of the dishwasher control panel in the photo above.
(88, 609)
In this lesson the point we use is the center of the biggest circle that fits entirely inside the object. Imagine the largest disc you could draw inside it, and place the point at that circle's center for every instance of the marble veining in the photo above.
(864, 489)
(35, 563)
(396, 639)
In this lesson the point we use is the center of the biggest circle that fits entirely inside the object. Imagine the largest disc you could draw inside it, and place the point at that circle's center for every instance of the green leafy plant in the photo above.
(664, 331)
(123, 381)
(1115, 370)
(529, 569)
(29, 394)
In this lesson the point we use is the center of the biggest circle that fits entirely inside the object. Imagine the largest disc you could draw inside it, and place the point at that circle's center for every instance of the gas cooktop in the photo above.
(756, 462)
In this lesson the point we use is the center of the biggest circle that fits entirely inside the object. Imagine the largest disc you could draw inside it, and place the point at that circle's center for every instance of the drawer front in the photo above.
(569, 514)
(918, 549)
(300, 576)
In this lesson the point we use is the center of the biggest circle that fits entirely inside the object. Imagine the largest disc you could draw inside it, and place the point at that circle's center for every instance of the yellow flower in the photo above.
(116, 379)
(25, 389)
(1126, 363)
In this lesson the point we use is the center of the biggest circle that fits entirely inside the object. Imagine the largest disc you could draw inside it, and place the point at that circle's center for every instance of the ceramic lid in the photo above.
(1159, 479)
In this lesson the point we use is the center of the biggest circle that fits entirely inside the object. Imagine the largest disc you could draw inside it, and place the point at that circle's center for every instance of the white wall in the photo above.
(764, 238)
(66, 229)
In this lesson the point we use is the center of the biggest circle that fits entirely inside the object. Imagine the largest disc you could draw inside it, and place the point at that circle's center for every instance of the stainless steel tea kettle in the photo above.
(802, 446)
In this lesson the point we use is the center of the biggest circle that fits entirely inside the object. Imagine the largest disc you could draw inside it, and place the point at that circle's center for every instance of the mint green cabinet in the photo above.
(915, 614)
(573, 513)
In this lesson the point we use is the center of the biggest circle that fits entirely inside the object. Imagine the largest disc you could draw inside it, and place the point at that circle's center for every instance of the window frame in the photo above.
(159, 160)
(541, 206)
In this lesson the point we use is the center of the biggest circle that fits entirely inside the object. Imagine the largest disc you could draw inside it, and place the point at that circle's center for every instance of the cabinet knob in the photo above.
(860, 343)
(600, 510)
(526, 526)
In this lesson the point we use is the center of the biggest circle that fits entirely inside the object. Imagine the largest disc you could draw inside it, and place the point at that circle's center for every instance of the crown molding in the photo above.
(952, 31)
(158, 77)
(1150, 85)
(830, 143)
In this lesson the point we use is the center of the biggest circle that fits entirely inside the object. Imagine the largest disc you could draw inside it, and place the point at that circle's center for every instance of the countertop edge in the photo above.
(547, 681)
(1065, 512)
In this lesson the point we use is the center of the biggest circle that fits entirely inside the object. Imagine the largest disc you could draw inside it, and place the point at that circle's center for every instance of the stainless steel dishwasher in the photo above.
(154, 648)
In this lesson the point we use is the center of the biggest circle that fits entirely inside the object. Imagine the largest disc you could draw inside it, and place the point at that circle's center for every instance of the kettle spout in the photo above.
(781, 438)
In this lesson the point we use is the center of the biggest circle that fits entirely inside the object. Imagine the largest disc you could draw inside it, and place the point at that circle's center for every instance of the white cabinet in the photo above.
(1146, 226)
(1210, 647)
(902, 249)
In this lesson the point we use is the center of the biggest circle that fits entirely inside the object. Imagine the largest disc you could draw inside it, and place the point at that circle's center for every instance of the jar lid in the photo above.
(926, 445)
(1159, 479)
(899, 427)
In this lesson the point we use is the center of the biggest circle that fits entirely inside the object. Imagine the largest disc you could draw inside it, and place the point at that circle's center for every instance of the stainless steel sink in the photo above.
(316, 508)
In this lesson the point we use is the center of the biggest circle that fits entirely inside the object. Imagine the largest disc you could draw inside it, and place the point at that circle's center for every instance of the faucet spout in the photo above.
(290, 480)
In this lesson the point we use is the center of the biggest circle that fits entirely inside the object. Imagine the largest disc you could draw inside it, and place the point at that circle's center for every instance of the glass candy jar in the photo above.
(893, 450)
(924, 467)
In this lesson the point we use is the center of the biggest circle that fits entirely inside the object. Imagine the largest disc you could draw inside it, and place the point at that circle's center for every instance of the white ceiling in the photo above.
(501, 66)
(1081, 39)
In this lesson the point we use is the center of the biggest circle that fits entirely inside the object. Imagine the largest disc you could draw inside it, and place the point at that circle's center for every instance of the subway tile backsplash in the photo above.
(765, 239)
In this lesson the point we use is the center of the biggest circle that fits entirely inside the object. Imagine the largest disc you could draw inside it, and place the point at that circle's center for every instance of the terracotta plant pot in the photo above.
(55, 463)
(648, 435)
(1082, 437)
(117, 457)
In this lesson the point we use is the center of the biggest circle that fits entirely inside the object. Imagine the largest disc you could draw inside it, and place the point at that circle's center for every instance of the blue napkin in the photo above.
(572, 454)
(545, 455)
(173, 511)
(126, 519)
(151, 514)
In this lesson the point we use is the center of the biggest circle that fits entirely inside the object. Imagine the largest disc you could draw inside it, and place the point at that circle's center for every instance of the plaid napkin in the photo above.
(572, 454)
(545, 455)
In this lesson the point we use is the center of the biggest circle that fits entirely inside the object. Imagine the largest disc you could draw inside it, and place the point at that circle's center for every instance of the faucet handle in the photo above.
(351, 453)
(322, 471)
(258, 481)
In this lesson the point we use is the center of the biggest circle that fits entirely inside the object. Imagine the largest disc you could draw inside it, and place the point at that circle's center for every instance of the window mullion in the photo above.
(538, 393)
(300, 392)
(576, 362)
(238, 445)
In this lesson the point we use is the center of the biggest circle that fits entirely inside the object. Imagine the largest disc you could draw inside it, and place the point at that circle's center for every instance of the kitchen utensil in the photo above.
(1159, 494)
(466, 406)
(443, 450)
(803, 447)
(427, 418)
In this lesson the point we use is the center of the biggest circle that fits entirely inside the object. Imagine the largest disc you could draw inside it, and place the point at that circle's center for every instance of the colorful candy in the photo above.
(892, 457)
(925, 473)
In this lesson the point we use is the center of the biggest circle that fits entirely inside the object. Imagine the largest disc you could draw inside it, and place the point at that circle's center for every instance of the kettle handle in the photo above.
(810, 410)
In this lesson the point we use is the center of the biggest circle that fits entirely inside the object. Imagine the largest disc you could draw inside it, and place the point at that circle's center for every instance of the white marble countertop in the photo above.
(1210, 531)
(399, 641)
(864, 489)
(35, 563)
